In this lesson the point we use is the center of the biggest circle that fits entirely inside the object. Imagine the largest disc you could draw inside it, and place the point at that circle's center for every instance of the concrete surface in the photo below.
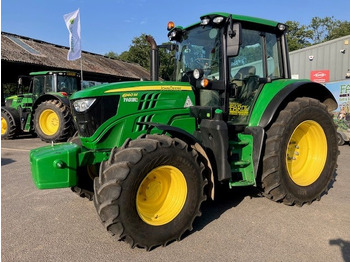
(57, 225)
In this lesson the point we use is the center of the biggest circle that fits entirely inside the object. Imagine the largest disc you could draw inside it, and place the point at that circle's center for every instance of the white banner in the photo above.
(72, 21)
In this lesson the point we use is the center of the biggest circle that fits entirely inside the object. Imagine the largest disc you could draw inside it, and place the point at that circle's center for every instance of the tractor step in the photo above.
(241, 183)
(241, 163)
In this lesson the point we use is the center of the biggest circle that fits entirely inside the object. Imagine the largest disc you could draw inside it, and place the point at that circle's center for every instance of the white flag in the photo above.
(72, 21)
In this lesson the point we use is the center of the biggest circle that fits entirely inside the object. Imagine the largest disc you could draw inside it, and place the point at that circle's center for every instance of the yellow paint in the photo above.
(150, 88)
(49, 122)
(161, 195)
(306, 153)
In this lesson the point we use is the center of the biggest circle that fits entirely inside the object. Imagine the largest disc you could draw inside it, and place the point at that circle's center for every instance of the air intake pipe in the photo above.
(154, 70)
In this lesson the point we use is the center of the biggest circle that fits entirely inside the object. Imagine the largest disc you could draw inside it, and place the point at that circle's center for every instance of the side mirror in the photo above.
(233, 39)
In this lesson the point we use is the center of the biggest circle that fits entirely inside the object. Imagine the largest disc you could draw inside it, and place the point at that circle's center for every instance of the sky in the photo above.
(111, 25)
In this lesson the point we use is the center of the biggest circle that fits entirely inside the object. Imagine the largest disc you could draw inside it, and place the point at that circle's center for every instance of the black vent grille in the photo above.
(141, 127)
(148, 101)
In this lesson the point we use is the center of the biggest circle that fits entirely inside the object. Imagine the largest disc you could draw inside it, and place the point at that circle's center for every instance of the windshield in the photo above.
(199, 47)
(67, 84)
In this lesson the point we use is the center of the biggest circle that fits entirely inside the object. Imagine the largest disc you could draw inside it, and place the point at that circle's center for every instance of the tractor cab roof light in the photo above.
(281, 27)
(205, 21)
(217, 20)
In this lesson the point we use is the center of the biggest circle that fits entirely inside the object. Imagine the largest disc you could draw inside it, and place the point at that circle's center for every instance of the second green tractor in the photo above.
(44, 110)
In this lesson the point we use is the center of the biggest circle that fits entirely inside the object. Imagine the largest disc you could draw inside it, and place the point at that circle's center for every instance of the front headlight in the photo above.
(82, 105)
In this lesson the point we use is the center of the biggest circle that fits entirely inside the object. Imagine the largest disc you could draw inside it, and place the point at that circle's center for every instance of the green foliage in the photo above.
(9, 89)
(139, 52)
(318, 31)
(298, 35)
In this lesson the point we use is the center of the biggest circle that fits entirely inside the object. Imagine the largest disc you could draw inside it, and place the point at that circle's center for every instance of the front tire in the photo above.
(150, 190)
(301, 153)
(52, 121)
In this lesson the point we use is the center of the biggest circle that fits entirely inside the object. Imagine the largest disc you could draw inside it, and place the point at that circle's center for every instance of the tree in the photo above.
(139, 52)
(111, 54)
(341, 29)
(298, 35)
(328, 28)
(321, 28)
(318, 31)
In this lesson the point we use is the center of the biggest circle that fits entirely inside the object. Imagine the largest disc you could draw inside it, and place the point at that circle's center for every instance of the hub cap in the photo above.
(3, 126)
(49, 122)
(306, 153)
(161, 195)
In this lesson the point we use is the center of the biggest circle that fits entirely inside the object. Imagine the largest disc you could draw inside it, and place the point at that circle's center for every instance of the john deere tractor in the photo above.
(45, 110)
(150, 153)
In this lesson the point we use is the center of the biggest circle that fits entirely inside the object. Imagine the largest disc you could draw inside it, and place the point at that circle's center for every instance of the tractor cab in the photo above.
(65, 83)
(227, 60)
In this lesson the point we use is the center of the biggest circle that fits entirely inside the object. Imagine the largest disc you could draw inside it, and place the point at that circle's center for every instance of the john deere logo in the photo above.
(71, 21)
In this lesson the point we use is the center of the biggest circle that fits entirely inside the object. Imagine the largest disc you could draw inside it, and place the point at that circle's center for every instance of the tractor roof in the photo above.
(243, 18)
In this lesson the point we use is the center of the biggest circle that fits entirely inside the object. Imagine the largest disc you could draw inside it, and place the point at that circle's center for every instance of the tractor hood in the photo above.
(132, 86)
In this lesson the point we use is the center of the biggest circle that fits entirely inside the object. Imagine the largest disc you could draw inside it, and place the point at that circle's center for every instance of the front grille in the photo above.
(103, 109)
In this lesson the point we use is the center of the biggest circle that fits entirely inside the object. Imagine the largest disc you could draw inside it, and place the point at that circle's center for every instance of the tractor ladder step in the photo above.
(241, 163)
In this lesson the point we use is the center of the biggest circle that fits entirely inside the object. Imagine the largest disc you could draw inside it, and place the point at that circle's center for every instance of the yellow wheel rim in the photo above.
(306, 153)
(49, 122)
(3, 126)
(161, 195)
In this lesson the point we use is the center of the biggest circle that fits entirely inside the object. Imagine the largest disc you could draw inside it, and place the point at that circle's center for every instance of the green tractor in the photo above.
(150, 153)
(45, 110)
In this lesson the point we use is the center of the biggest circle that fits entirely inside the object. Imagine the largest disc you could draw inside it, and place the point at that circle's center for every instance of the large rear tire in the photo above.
(9, 128)
(53, 121)
(301, 153)
(150, 191)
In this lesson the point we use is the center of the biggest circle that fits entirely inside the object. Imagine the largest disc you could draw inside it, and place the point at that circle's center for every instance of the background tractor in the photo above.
(45, 110)
(150, 153)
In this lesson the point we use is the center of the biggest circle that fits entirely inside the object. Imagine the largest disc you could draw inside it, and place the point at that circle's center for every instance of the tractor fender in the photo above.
(279, 101)
(193, 142)
(294, 90)
(51, 96)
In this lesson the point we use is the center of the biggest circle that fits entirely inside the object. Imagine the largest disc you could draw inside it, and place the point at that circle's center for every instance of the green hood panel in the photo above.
(130, 87)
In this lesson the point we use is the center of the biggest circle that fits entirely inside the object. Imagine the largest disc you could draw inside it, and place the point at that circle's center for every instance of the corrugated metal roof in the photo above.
(16, 48)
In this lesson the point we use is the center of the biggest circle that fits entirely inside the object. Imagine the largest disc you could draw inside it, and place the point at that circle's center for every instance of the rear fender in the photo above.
(289, 93)
(51, 96)
(269, 108)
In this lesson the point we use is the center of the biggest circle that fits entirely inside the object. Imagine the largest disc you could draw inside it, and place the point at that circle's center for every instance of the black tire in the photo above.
(121, 189)
(341, 141)
(85, 184)
(9, 128)
(53, 121)
(291, 174)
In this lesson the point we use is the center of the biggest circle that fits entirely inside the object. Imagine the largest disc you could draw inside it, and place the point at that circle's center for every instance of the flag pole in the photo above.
(81, 70)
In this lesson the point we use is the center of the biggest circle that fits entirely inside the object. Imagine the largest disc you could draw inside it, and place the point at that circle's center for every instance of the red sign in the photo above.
(320, 76)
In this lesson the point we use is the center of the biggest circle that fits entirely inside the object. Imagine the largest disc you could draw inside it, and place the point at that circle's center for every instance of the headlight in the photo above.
(197, 73)
(82, 105)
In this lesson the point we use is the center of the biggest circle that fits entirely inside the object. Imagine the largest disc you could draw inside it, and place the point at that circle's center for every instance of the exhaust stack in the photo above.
(154, 70)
